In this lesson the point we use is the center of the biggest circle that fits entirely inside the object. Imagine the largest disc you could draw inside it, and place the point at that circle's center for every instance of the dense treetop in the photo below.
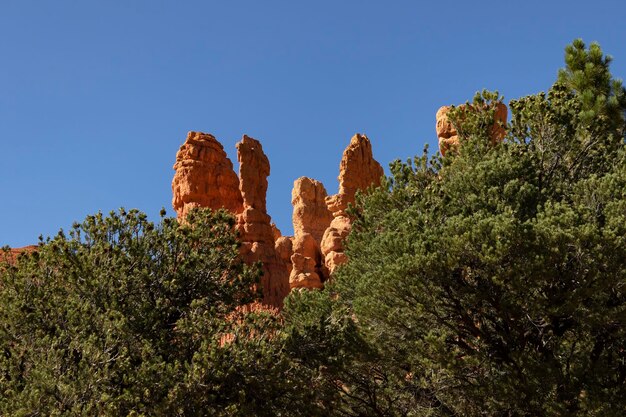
(491, 282)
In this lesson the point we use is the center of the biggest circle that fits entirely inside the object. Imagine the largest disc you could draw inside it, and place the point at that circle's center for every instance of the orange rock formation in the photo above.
(13, 253)
(284, 249)
(310, 213)
(310, 220)
(358, 171)
(448, 135)
(205, 178)
(254, 224)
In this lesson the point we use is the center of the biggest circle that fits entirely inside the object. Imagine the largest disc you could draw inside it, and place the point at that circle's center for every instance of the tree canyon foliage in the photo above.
(124, 317)
(489, 282)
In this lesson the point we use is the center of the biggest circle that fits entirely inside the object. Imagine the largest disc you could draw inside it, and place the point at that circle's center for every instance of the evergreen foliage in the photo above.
(491, 282)
(127, 318)
(487, 283)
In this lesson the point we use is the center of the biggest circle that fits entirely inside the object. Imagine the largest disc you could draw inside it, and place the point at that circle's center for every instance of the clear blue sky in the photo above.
(97, 96)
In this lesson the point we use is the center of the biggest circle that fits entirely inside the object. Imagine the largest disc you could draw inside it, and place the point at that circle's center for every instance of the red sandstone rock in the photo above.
(498, 130)
(275, 231)
(307, 262)
(334, 259)
(448, 135)
(446, 132)
(254, 168)
(358, 171)
(204, 177)
(283, 246)
(310, 214)
(254, 224)
(333, 242)
(310, 220)
(335, 235)
(284, 249)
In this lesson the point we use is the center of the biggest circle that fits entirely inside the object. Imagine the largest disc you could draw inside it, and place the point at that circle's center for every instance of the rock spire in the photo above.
(358, 170)
(205, 178)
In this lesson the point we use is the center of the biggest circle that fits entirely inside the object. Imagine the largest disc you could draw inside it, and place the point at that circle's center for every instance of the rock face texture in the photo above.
(358, 170)
(310, 219)
(310, 213)
(284, 249)
(254, 224)
(448, 135)
(204, 177)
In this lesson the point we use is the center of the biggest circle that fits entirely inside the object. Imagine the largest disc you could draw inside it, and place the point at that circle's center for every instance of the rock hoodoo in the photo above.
(310, 213)
(358, 171)
(310, 220)
(448, 135)
(205, 178)
(284, 249)
(254, 224)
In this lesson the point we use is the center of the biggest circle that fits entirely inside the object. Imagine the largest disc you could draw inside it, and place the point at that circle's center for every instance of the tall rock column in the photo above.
(358, 171)
(254, 224)
(310, 218)
(204, 177)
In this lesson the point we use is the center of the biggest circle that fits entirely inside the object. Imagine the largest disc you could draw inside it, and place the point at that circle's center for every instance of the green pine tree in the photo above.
(124, 317)
(491, 282)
